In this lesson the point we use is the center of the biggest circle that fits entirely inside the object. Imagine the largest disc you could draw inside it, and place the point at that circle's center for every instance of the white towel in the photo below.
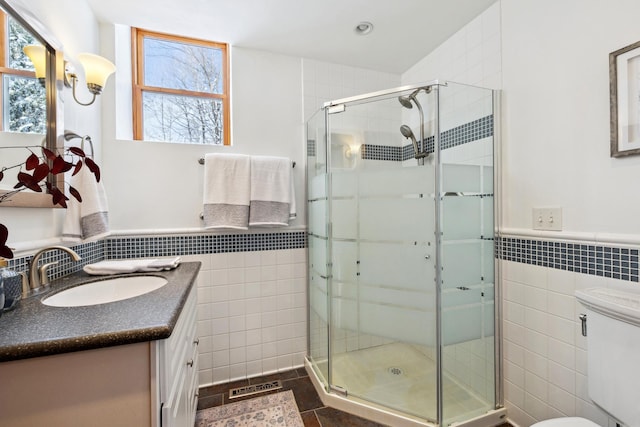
(226, 190)
(132, 265)
(89, 219)
(272, 198)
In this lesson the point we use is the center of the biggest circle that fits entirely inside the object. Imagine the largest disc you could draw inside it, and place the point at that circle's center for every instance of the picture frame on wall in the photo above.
(624, 98)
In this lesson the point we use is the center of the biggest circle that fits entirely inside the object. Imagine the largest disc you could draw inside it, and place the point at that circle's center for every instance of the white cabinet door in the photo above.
(177, 369)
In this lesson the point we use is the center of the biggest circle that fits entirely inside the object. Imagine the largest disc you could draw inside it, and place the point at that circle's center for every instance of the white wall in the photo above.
(73, 24)
(556, 153)
(154, 186)
(556, 103)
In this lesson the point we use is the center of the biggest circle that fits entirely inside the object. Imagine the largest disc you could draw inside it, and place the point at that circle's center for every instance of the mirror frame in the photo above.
(54, 139)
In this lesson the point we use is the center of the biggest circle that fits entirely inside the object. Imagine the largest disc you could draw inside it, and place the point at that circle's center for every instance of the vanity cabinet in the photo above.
(177, 370)
(151, 383)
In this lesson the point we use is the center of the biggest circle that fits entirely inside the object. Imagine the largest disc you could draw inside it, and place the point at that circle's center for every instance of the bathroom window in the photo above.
(23, 97)
(180, 89)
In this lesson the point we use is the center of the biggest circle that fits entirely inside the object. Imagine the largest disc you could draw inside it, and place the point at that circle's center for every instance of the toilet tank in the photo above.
(613, 351)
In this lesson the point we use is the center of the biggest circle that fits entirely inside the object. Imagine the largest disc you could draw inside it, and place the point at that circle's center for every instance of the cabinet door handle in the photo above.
(190, 363)
(196, 341)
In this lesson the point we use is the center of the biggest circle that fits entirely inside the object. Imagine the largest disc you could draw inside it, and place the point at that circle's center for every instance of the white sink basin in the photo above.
(104, 291)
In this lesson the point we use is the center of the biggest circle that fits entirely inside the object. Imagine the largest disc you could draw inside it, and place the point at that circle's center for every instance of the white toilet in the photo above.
(613, 340)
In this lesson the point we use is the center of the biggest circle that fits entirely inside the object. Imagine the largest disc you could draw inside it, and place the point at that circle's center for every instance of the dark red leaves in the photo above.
(95, 169)
(77, 168)
(33, 173)
(41, 172)
(29, 181)
(48, 154)
(32, 162)
(60, 165)
(58, 196)
(4, 249)
(75, 193)
(77, 151)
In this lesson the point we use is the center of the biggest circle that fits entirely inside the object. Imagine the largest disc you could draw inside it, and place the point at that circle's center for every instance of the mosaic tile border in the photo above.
(599, 260)
(89, 252)
(381, 152)
(155, 246)
(459, 135)
(311, 147)
(463, 134)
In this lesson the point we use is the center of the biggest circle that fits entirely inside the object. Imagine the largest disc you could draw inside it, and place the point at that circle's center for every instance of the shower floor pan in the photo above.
(401, 377)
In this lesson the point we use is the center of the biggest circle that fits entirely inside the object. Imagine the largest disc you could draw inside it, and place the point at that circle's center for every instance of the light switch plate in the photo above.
(547, 219)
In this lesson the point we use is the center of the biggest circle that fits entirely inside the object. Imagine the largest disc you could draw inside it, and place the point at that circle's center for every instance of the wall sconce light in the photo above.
(38, 57)
(96, 69)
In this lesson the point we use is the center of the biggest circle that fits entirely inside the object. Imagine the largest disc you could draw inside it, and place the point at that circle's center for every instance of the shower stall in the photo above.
(403, 313)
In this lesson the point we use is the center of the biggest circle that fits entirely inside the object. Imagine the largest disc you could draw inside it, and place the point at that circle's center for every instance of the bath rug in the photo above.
(273, 410)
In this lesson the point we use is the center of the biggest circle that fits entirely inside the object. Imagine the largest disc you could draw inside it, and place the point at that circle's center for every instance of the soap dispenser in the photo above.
(10, 286)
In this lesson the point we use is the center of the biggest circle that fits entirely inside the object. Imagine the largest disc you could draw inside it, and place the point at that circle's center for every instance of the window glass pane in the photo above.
(185, 66)
(19, 38)
(24, 101)
(185, 119)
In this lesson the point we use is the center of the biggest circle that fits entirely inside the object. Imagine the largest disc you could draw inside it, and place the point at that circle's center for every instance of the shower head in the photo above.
(407, 132)
(406, 101)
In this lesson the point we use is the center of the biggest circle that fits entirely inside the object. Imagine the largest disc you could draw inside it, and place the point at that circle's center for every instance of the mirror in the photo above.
(24, 28)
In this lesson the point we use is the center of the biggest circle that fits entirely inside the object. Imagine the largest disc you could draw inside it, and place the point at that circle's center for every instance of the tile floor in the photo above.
(313, 412)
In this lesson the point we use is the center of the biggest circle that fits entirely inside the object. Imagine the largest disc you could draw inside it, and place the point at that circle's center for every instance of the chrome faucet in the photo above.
(38, 278)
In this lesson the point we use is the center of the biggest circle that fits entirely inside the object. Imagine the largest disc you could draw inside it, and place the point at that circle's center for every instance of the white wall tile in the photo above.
(563, 377)
(252, 314)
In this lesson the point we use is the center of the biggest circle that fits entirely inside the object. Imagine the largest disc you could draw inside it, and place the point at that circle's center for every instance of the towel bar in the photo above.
(201, 161)
(69, 135)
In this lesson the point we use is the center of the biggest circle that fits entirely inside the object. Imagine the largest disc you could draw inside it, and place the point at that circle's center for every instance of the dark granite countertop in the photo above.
(33, 329)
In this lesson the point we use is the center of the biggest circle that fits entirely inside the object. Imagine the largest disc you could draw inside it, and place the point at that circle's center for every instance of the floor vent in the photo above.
(254, 389)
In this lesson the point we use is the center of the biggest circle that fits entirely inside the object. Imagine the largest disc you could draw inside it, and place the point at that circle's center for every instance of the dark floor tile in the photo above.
(330, 417)
(222, 388)
(282, 376)
(309, 419)
(302, 372)
(209, 401)
(304, 392)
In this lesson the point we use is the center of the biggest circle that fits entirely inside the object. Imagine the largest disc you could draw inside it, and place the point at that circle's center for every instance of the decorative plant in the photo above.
(33, 173)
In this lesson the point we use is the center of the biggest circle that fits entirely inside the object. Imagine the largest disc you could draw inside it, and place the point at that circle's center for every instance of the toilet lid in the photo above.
(566, 422)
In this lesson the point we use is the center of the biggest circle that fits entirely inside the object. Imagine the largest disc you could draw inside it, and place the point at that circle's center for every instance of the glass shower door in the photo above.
(382, 287)
(318, 268)
(467, 252)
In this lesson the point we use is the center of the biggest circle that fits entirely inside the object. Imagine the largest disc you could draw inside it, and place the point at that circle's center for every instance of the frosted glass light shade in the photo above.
(38, 57)
(96, 69)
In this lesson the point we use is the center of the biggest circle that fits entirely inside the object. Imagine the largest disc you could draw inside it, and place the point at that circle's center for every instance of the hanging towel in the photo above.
(272, 196)
(88, 220)
(226, 190)
(132, 266)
